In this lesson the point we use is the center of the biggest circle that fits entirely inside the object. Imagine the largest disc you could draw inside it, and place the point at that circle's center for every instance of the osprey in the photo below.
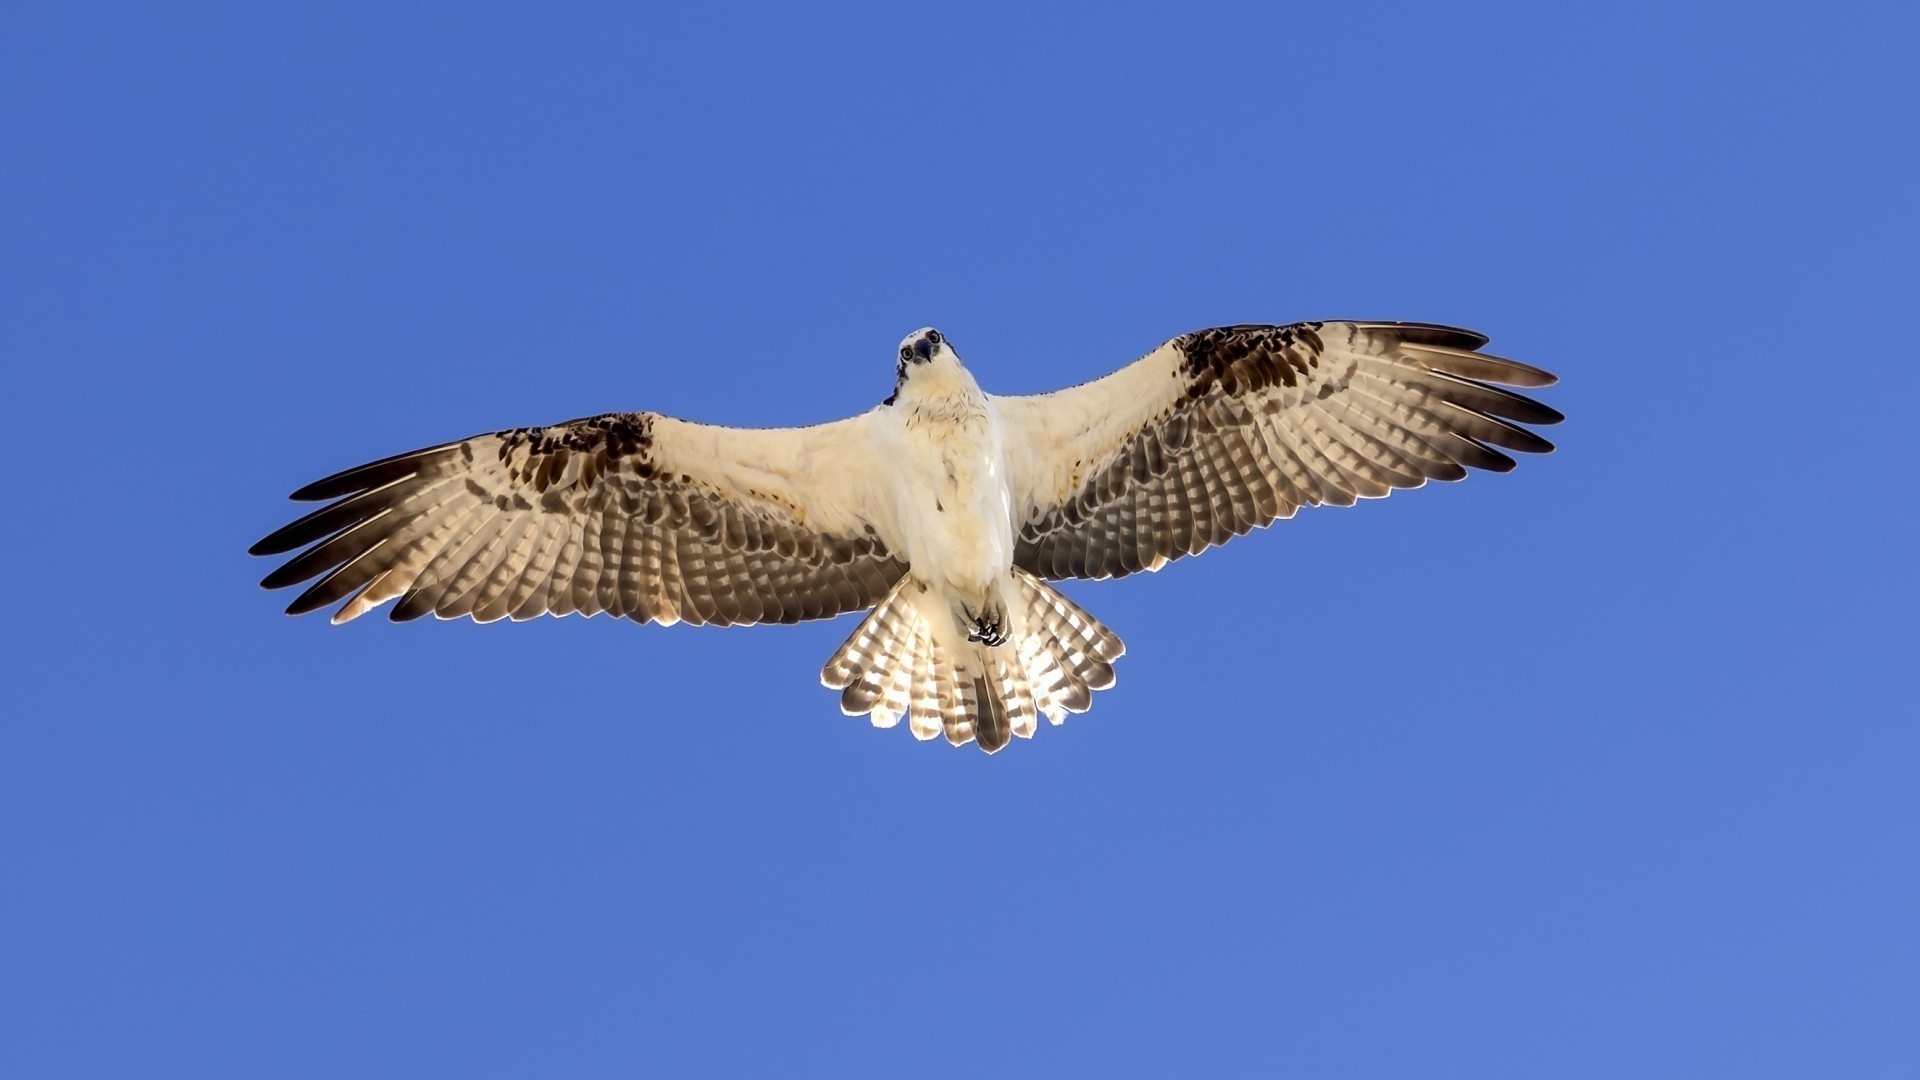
(945, 510)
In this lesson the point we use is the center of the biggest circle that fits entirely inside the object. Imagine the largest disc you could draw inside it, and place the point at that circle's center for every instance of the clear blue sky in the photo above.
(1603, 768)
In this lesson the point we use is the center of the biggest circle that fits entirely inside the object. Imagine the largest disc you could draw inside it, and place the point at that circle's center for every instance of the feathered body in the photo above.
(951, 499)
(945, 510)
(981, 668)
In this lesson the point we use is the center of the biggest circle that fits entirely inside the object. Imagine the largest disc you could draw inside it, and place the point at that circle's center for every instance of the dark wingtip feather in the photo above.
(1487, 398)
(1512, 437)
(1544, 414)
(371, 475)
(280, 541)
(324, 592)
(1481, 456)
(294, 571)
(1450, 337)
(416, 603)
(320, 524)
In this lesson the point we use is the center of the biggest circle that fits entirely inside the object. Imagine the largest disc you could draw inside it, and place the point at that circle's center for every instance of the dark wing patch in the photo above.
(1247, 359)
(577, 517)
(1257, 421)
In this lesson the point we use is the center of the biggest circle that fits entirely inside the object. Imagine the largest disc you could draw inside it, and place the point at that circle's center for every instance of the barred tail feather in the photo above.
(926, 691)
(895, 665)
(1068, 654)
(864, 666)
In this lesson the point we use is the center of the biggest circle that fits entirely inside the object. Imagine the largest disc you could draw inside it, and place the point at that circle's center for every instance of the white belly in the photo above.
(954, 505)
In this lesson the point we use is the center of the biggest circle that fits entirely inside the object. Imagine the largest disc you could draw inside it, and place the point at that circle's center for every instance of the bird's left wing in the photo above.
(640, 515)
(1220, 431)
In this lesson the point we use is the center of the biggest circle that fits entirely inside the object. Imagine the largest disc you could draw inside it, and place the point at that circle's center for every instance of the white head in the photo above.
(924, 347)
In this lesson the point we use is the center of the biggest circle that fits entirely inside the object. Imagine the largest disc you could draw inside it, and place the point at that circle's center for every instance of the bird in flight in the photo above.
(943, 512)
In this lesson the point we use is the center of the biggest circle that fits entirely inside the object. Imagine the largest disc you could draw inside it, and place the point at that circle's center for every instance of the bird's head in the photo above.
(927, 358)
(923, 346)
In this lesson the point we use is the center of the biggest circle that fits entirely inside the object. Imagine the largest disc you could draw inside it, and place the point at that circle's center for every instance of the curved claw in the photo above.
(988, 627)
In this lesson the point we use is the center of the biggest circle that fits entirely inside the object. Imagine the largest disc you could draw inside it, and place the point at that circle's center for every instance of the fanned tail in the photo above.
(897, 664)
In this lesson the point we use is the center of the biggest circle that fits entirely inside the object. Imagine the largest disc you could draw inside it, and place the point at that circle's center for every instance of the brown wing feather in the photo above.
(586, 516)
(1224, 430)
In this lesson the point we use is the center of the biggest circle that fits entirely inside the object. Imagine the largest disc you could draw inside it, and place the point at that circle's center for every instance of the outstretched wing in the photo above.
(635, 514)
(1219, 431)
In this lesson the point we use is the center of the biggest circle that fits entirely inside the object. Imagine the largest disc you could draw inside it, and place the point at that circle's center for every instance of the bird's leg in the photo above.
(986, 624)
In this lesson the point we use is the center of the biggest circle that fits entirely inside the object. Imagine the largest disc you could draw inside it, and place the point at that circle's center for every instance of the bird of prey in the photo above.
(945, 510)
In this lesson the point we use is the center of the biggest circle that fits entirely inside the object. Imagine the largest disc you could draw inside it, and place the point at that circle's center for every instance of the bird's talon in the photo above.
(988, 627)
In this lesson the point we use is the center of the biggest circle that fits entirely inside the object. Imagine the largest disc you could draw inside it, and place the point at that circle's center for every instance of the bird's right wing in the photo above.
(636, 514)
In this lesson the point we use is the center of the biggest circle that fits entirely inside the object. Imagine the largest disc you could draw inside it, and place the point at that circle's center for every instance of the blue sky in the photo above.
(1602, 768)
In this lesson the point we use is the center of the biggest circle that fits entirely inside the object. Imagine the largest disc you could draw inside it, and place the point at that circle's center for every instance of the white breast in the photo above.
(951, 493)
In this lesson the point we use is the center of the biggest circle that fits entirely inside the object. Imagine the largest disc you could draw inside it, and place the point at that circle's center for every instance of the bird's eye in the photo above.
(906, 354)
(933, 337)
